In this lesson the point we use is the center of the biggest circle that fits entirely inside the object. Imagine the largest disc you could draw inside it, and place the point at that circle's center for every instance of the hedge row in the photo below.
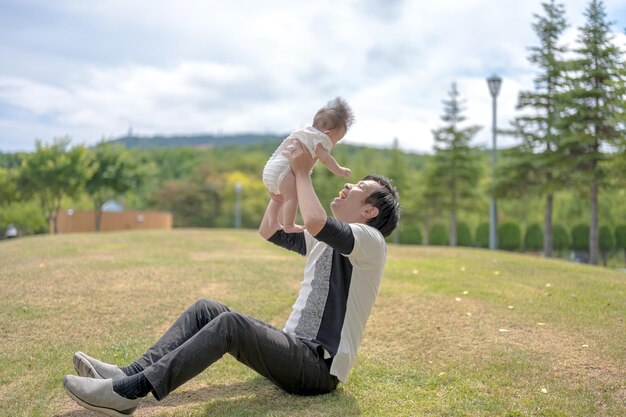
(510, 237)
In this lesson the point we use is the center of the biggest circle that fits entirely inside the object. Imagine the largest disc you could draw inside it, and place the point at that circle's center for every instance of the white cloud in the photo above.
(93, 69)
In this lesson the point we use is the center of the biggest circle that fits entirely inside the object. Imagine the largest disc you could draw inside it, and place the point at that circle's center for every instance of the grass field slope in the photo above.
(455, 332)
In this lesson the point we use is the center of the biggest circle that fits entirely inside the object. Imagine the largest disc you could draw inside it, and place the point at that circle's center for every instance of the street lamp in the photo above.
(494, 83)
(238, 188)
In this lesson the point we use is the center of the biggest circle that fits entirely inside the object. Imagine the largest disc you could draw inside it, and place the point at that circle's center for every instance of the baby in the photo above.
(330, 124)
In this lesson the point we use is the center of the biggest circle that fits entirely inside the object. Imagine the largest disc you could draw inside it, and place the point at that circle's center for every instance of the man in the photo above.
(317, 347)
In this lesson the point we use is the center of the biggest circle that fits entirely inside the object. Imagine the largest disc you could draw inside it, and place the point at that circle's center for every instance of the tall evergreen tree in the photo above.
(431, 200)
(534, 165)
(594, 109)
(397, 172)
(455, 172)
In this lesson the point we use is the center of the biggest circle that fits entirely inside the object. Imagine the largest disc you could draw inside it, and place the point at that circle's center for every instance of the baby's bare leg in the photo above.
(287, 188)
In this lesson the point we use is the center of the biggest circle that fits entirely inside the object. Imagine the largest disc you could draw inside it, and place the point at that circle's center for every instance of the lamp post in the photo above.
(238, 188)
(494, 83)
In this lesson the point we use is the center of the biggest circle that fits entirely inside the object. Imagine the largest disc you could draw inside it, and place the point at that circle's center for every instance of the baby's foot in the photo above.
(293, 228)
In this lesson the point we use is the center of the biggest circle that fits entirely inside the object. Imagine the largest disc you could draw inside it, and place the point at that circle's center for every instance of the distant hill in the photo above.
(196, 141)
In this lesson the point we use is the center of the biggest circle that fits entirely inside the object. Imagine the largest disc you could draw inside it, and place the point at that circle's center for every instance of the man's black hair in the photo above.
(386, 200)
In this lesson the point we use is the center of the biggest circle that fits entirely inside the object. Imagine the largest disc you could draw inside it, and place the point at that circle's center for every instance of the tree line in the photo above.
(199, 186)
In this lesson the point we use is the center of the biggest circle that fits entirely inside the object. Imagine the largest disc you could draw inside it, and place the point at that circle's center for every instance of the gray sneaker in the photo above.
(93, 368)
(98, 395)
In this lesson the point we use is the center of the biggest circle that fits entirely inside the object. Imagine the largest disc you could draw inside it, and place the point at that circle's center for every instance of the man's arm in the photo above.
(272, 232)
(311, 210)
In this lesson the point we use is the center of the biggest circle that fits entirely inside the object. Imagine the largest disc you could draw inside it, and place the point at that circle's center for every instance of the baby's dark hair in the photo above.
(386, 200)
(336, 113)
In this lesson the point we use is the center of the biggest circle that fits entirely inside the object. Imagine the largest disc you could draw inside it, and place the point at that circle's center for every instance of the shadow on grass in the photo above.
(250, 398)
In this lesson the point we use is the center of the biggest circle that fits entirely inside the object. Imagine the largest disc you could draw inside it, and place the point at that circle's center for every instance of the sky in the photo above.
(97, 69)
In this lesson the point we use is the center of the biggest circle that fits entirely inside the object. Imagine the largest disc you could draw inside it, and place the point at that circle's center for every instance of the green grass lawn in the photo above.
(455, 332)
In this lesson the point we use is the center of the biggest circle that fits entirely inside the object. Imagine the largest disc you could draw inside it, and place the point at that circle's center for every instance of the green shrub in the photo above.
(411, 234)
(26, 217)
(482, 235)
(533, 240)
(438, 235)
(620, 239)
(580, 237)
(560, 238)
(607, 241)
(463, 234)
(509, 236)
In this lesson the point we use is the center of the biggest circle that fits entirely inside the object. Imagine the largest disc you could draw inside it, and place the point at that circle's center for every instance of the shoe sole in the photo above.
(84, 368)
(108, 411)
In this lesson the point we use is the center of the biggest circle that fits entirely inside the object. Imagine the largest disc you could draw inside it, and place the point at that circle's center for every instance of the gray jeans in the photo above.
(207, 330)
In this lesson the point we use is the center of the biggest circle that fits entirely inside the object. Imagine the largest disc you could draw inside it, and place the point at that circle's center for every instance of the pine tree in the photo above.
(455, 173)
(398, 174)
(534, 165)
(593, 109)
(432, 199)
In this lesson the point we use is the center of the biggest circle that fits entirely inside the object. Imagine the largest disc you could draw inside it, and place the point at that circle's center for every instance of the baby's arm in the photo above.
(329, 162)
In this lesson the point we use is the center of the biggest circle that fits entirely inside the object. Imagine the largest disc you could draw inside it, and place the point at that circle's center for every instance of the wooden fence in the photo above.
(85, 221)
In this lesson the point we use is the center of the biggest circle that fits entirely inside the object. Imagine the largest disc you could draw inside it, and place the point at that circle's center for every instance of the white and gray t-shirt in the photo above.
(341, 280)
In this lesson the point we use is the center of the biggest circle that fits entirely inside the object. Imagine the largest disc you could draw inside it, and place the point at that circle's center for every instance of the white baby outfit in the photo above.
(278, 166)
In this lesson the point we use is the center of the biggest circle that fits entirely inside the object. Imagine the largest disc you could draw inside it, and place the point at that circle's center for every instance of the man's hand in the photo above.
(299, 158)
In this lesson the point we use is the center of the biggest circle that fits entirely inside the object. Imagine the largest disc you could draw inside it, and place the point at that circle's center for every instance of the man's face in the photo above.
(350, 205)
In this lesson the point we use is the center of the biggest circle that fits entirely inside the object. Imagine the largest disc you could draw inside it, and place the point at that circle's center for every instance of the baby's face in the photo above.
(336, 134)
